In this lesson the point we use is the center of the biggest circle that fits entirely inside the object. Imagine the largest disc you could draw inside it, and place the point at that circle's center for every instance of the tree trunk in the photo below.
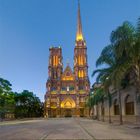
(109, 115)
(93, 112)
(109, 105)
(102, 111)
(97, 112)
(90, 112)
(137, 73)
(120, 107)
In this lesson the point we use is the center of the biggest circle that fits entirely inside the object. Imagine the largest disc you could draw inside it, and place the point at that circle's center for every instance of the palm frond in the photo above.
(138, 27)
(106, 56)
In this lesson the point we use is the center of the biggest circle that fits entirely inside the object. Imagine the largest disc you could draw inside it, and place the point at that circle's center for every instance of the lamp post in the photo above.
(109, 101)
(90, 103)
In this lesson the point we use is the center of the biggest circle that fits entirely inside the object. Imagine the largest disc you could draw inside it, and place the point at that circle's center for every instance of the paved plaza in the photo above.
(66, 128)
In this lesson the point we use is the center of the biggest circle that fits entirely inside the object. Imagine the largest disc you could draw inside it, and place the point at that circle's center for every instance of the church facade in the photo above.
(68, 89)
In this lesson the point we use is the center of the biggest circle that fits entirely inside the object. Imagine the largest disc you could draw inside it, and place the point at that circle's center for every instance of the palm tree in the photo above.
(136, 57)
(126, 41)
(96, 98)
(116, 59)
(90, 102)
(104, 74)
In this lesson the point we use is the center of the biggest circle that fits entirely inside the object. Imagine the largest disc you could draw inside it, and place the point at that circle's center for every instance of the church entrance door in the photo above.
(53, 113)
(68, 113)
(81, 112)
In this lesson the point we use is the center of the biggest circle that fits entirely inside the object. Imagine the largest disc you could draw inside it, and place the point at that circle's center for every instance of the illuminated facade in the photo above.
(68, 90)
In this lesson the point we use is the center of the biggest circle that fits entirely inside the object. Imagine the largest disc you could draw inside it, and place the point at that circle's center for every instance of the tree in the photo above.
(24, 104)
(123, 40)
(107, 57)
(115, 57)
(90, 101)
(28, 105)
(6, 98)
(94, 100)
(99, 98)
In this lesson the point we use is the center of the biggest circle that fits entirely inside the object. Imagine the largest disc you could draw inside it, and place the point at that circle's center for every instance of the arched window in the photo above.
(79, 62)
(116, 107)
(80, 73)
(49, 86)
(129, 105)
(82, 63)
(53, 60)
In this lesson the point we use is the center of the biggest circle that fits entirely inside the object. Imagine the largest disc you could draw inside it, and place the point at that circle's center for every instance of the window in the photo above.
(80, 73)
(63, 88)
(129, 105)
(55, 60)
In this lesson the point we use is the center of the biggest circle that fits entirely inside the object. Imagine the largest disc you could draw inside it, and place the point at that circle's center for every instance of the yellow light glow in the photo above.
(63, 92)
(81, 91)
(53, 107)
(80, 60)
(55, 60)
(53, 92)
(80, 73)
(68, 103)
(79, 37)
(67, 78)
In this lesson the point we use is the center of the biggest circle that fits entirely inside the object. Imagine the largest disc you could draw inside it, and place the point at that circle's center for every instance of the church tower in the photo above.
(68, 89)
(80, 57)
(55, 68)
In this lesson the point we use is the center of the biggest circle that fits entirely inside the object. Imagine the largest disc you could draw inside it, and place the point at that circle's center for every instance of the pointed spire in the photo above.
(79, 35)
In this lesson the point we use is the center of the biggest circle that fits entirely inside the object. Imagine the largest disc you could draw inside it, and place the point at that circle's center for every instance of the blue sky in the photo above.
(29, 27)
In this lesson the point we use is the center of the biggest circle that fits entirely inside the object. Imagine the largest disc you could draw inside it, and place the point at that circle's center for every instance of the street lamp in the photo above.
(109, 101)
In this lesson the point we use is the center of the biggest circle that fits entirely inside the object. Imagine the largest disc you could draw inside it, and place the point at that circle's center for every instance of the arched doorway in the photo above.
(68, 113)
(129, 105)
(53, 109)
(68, 104)
(53, 113)
(116, 107)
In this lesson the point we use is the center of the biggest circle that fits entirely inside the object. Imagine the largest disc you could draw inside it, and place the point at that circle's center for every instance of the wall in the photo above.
(131, 91)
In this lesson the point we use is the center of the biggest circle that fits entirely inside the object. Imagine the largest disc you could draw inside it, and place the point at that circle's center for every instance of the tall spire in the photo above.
(79, 35)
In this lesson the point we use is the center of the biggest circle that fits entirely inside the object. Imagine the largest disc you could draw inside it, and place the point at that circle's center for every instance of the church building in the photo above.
(68, 89)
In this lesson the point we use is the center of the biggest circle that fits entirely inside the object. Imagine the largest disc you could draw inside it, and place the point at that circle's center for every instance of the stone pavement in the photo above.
(103, 130)
(65, 128)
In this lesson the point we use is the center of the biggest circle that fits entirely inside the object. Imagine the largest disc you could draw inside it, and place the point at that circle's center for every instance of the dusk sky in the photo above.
(29, 27)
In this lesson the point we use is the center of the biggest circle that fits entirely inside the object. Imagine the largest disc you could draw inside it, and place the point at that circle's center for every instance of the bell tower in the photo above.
(67, 89)
(55, 63)
(55, 68)
(80, 57)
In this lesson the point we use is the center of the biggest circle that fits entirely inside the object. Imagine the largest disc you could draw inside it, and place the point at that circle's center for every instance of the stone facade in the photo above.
(67, 90)
(130, 107)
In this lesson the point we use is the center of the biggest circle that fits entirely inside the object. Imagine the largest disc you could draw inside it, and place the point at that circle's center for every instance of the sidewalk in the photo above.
(19, 121)
(106, 131)
(129, 125)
